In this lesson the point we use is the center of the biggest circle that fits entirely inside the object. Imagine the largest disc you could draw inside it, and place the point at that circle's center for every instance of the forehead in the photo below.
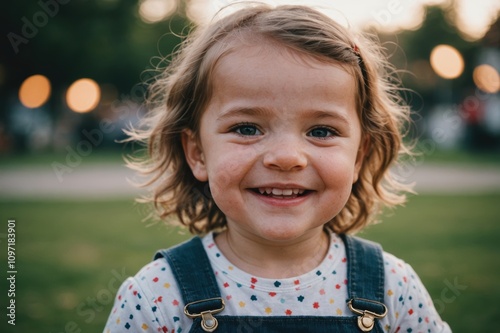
(253, 66)
(257, 44)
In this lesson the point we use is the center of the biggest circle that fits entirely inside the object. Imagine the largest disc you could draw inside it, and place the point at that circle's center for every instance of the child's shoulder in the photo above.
(407, 298)
(393, 266)
(151, 282)
(398, 273)
(150, 299)
(399, 276)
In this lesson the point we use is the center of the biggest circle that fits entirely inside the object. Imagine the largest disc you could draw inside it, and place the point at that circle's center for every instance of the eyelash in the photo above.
(333, 132)
(239, 126)
(237, 129)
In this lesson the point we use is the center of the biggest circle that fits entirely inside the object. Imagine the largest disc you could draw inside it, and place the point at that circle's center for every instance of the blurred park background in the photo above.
(74, 73)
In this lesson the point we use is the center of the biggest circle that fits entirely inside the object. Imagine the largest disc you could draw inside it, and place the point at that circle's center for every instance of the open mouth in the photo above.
(281, 193)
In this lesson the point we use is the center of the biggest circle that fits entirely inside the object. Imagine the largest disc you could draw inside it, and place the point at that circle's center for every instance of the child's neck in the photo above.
(275, 261)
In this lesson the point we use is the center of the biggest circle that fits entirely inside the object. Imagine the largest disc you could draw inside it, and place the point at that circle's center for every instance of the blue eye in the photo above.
(321, 132)
(246, 130)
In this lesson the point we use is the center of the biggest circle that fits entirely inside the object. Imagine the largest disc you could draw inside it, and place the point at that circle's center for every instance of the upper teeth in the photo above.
(280, 191)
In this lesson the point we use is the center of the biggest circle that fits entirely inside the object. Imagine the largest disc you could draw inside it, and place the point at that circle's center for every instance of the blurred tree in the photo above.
(69, 39)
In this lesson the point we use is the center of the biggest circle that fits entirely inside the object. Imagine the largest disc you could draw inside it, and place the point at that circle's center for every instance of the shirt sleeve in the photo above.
(410, 307)
(131, 311)
(149, 302)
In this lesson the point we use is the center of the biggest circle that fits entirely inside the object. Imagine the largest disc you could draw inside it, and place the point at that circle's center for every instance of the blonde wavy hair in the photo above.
(180, 94)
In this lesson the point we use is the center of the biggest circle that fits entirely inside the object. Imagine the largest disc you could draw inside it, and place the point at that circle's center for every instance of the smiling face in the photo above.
(279, 142)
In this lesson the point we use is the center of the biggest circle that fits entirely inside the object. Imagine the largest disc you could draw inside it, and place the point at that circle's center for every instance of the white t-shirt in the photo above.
(151, 301)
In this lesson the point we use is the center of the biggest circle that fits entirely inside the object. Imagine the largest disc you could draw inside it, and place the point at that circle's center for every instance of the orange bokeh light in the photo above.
(447, 62)
(486, 78)
(34, 91)
(83, 95)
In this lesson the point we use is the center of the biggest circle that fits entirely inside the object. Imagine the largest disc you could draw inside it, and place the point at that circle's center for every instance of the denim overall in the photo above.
(365, 275)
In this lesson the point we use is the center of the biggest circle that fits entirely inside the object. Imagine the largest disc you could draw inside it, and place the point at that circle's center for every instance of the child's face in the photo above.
(279, 142)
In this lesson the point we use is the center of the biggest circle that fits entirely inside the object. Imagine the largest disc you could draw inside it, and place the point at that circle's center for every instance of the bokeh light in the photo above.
(83, 95)
(486, 78)
(474, 17)
(447, 62)
(152, 11)
(34, 91)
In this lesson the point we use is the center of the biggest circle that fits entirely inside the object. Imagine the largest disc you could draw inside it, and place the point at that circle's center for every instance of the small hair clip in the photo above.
(355, 49)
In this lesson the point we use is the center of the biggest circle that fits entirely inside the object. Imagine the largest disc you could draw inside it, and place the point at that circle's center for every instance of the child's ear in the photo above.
(360, 157)
(194, 155)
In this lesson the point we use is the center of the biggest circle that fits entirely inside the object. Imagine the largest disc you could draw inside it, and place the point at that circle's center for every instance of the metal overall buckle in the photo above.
(366, 320)
(208, 322)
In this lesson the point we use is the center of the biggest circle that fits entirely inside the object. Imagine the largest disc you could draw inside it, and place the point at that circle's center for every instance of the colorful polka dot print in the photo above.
(151, 301)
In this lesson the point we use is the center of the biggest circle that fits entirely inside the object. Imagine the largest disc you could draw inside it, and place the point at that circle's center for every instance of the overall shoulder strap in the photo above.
(192, 270)
(195, 277)
(365, 271)
(365, 275)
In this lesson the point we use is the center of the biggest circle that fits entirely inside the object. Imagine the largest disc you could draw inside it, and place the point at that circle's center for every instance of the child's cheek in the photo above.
(223, 178)
(223, 195)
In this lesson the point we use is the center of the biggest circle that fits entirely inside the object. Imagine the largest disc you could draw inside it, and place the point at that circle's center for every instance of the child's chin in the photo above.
(282, 235)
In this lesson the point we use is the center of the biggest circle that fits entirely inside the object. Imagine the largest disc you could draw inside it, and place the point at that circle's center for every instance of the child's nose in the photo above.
(286, 155)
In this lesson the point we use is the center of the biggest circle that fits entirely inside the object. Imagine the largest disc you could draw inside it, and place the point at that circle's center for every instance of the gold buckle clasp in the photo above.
(366, 320)
(208, 322)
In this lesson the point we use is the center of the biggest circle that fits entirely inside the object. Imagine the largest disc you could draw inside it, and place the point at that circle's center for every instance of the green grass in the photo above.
(460, 157)
(71, 257)
(97, 156)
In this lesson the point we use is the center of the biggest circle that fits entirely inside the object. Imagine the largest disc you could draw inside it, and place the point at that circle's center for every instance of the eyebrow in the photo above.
(321, 114)
(258, 111)
(238, 111)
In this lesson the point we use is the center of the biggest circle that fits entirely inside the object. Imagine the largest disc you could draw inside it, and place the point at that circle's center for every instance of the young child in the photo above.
(271, 138)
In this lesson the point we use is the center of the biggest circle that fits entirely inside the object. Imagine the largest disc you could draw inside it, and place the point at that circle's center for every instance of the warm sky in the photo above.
(475, 15)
